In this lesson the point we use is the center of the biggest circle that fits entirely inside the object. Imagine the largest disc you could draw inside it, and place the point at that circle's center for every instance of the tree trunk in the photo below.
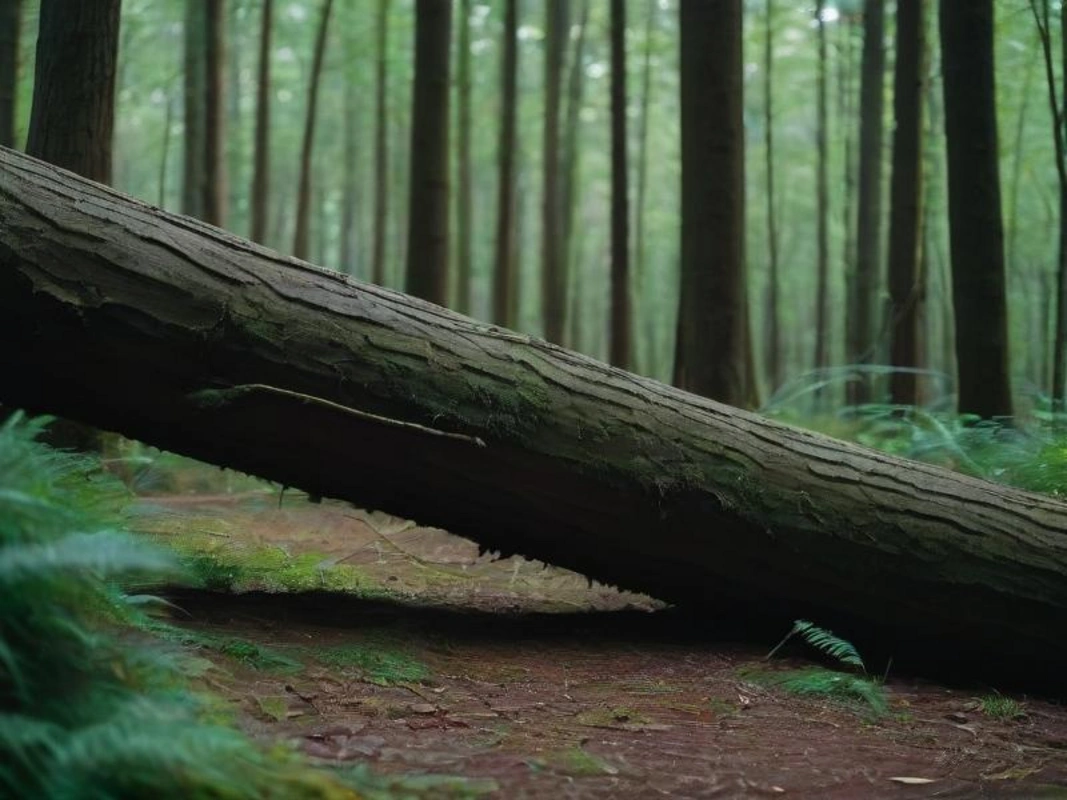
(975, 226)
(215, 184)
(906, 284)
(349, 239)
(301, 236)
(261, 168)
(711, 358)
(553, 288)
(645, 321)
(10, 27)
(504, 273)
(863, 306)
(773, 345)
(193, 88)
(822, 200)
(621, 324)
(464, 165)
(73, 113)
(191, 339)
(381, 146)
(427, 251)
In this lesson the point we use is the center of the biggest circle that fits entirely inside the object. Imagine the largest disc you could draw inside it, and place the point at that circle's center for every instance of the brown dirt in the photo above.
(620, 700)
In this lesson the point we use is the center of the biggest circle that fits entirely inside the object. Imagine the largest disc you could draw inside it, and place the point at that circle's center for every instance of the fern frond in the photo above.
(104, 555)
(838, 685)
(826, 641)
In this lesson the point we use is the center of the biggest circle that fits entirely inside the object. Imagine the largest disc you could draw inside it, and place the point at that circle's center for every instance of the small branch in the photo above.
(221, 397)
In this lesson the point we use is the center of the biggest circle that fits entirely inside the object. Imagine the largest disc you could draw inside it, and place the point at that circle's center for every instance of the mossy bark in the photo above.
(174, 332)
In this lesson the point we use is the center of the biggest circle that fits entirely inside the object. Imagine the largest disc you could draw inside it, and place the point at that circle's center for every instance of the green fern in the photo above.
(837, 685)
(824, 640)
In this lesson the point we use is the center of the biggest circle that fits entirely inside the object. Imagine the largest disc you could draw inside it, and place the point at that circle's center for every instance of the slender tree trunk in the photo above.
(164, 158)
(428, 220)
(261, 167)
(553, 289)
(645, 320)
(195, 94)
(504, 274)
(906, 283)
(711, 358)
(348, 256)
(303, 196)
(862, 309)
(215, 187)
(10, 27)
(464, 171)
(381, 146)
(773, 345)
(822, 200)
(847, 97)
(571, 159)
(976, 228)
(73, 112)
(621, 323)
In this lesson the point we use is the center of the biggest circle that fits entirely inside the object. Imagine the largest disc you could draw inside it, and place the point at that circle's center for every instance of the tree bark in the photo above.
(194, 95)
(822, 200)
(381, 144)
(505, 274)
(10, 28)
(428, 222)
(773, 345)
(192, 339)
(261, 167)
(215, 182)
(621, 325)
(976, 232)
(553, 288)
(464, 164)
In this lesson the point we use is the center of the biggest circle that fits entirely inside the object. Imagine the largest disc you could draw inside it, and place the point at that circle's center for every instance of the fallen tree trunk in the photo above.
(176, 333)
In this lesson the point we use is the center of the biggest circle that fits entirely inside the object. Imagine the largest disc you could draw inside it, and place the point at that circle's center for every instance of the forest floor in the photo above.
(362, 638)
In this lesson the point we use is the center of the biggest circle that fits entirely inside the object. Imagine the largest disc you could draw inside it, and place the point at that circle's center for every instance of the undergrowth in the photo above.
(852, 687)
(89, 706)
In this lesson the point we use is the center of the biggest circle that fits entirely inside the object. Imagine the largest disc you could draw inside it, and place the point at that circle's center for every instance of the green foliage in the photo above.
(829, 683)
(377, 664)
(998, 706)
(89, 708)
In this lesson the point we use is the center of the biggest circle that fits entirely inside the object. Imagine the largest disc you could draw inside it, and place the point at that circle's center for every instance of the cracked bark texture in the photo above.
(133, 319)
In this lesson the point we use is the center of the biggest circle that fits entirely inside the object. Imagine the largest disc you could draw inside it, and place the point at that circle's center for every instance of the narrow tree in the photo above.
(645, 321)
(1043, 18)
(773, 344)
(10, 25)
(571, 158)
(73, 113)
(351, 184)
(195, 94)
(381, 145)
(975, 227)
(427, 251)
(504, 277)
(553, 289)
(261, 166)
(711, 358)
(620, 203)
(822, 198)
(215, 185)
(464, 168)
(906, 283)
(862, 306)
(303, 197)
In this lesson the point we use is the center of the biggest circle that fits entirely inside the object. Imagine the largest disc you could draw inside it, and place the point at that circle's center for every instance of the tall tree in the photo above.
(464, 161)
(195, 93)
(711, 358)
(773, 344)
(215, 183)
(381, 144)
(303, 197)
(427, 251)
(906, 283)
(976, 230)
(10, 26)
(261, 167)
(571, 158)
(504, 273)
(620, 347)
(553, 288)
(862, 306)
(645, 321)
(73, 113)
(822, 197)
(1057, 100)
(349, 238)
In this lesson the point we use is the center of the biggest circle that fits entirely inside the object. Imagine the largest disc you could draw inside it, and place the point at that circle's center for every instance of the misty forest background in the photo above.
(793, 55)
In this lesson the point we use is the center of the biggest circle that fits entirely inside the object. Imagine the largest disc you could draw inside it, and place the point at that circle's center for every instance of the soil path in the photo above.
(469, 676)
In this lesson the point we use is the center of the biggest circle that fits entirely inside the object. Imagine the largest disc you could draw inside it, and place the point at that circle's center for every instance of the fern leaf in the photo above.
(827, 642)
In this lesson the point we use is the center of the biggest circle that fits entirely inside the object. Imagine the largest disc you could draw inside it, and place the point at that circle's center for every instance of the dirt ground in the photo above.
(527, 682)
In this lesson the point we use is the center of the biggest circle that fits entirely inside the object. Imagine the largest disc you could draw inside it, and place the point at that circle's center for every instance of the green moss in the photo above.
(578, 763)
(377, 664)
(273, 707)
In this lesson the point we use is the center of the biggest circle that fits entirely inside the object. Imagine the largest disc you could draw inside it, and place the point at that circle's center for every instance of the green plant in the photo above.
(89, 707)
(377, 664)
(826, 682)
(998, 706)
